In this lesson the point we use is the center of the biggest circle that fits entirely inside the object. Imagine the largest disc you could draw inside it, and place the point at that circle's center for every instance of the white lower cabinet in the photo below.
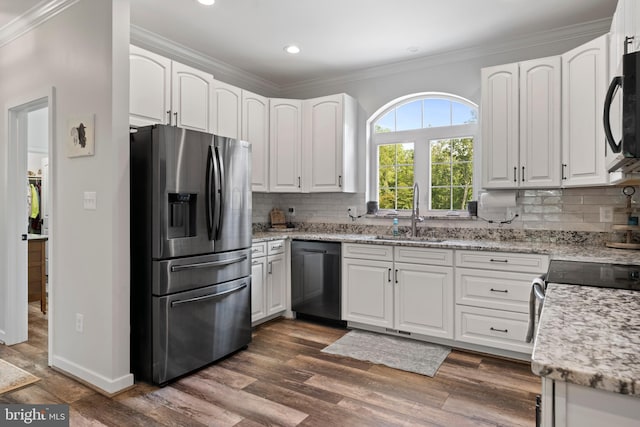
(571, 405)
(492, 298)
(268, 280)
(398, 288)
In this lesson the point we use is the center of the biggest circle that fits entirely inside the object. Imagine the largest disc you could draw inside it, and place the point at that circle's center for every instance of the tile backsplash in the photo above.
(572, 209)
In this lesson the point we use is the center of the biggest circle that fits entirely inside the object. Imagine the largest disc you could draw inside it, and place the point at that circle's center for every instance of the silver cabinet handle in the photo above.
(515, 171)
(169, 117)
(278, 246)
(254, 250)
(505, 291)
(499, 330)
(498, 260)
(389, 275)
(255, 261)
(299, 182)
(564, 169)
(522, 174)
(175, 114)
(396, 276)
(339, 180)
(270, 267)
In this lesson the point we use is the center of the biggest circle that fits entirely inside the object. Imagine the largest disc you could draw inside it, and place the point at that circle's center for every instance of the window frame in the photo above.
(421, 138)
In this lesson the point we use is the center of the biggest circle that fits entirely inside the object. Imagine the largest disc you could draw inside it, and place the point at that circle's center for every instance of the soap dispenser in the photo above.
(395, 227)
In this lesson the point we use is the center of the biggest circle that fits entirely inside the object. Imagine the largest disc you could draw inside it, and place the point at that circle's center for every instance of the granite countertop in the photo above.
(590, 337)
(555, 251)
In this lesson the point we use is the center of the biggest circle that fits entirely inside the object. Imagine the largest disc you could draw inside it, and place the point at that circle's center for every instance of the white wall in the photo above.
(83, 53)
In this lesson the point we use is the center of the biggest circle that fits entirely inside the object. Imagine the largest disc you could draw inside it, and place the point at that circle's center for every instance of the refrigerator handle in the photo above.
(220, 190)
(209, 193)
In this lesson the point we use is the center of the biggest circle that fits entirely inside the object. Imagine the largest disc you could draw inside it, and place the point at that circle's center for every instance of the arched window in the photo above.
(426, 138)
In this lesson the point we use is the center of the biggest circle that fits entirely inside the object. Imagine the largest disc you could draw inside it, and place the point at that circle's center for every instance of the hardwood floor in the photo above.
(284, 379)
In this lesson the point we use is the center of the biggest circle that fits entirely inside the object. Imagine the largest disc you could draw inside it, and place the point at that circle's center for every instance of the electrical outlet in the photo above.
(512, 213)
(79, 323)
(292, 211)
(606, 214)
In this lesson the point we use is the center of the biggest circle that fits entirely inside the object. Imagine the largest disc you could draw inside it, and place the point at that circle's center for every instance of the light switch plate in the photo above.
(89, 202)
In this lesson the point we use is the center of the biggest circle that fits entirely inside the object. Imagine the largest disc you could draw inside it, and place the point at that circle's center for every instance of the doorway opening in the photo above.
(28, 227)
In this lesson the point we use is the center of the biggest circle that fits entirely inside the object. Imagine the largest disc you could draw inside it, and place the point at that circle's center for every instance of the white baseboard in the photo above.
(106, 385)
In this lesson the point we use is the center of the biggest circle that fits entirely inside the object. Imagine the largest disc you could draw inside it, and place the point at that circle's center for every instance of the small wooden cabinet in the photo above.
(37, 276)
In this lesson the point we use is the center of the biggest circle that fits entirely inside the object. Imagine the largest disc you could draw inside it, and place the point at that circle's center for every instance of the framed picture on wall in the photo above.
(80, 136)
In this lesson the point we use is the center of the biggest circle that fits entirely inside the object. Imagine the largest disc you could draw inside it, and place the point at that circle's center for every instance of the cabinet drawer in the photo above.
(504, 261)
(370, 252)
(275, 247)
(440, 257)
(494, 289)
(259, 249)
(494, 328)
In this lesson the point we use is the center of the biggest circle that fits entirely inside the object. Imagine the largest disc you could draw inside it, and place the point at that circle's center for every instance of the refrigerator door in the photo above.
(231, 216)
(195, 328)
(195, 188)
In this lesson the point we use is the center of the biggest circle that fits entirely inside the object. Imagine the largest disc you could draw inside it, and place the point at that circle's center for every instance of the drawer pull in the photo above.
(389, 276)
(278, 246)
(499, 260)
(499, 330)
(255, 250)
(504, 291)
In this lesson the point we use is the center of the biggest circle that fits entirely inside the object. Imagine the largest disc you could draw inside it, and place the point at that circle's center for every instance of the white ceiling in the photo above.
(338, 37)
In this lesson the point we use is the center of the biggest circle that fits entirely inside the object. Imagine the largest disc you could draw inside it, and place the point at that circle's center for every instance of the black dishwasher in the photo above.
(315, 280)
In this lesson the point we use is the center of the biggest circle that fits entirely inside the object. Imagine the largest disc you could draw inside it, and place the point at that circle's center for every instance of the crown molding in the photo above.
(590, 29)
(29, 20)
(149, 40)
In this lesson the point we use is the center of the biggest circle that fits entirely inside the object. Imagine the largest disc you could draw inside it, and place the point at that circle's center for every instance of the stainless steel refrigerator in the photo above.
(190, 250)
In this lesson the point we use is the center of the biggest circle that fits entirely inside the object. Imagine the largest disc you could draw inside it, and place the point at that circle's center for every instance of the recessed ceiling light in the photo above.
(292, 49)
(207, 2)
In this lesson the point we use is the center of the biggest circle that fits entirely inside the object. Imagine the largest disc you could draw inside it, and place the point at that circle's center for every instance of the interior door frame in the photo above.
(16, 304)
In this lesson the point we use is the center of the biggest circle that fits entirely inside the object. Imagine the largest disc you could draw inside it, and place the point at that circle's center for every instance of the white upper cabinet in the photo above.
(540, 123)
(584, 85)
(285, 136)
(499, 109)
(191, 98)
(255, 129)
(168, 92)
(227, 110)
(521, 124)
(328, 142)
(149, 88)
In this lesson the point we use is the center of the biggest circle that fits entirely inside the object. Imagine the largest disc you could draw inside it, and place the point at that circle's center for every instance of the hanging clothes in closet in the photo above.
(33, 199)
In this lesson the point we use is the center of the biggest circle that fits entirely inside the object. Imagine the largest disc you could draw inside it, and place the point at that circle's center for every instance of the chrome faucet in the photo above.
(415, 210)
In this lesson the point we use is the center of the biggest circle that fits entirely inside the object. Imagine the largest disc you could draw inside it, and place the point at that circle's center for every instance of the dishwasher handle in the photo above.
(537, 294)
(315, 251)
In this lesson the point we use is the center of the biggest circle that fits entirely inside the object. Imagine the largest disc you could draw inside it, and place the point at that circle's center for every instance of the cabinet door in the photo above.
(227, 110)
(276, 284)
(424, 299)
(322, 143)
(285, 130)
(540, 123)
(255, 129)
(192, 98)
(367, 292)
(149, 87)
(258, 287)
(499, 109)
(584, 85)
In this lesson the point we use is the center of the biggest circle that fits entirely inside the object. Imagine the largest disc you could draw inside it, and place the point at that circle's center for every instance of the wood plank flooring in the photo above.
(283, 379)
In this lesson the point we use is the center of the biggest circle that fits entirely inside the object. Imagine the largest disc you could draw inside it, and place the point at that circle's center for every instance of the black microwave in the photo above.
(626, 152)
